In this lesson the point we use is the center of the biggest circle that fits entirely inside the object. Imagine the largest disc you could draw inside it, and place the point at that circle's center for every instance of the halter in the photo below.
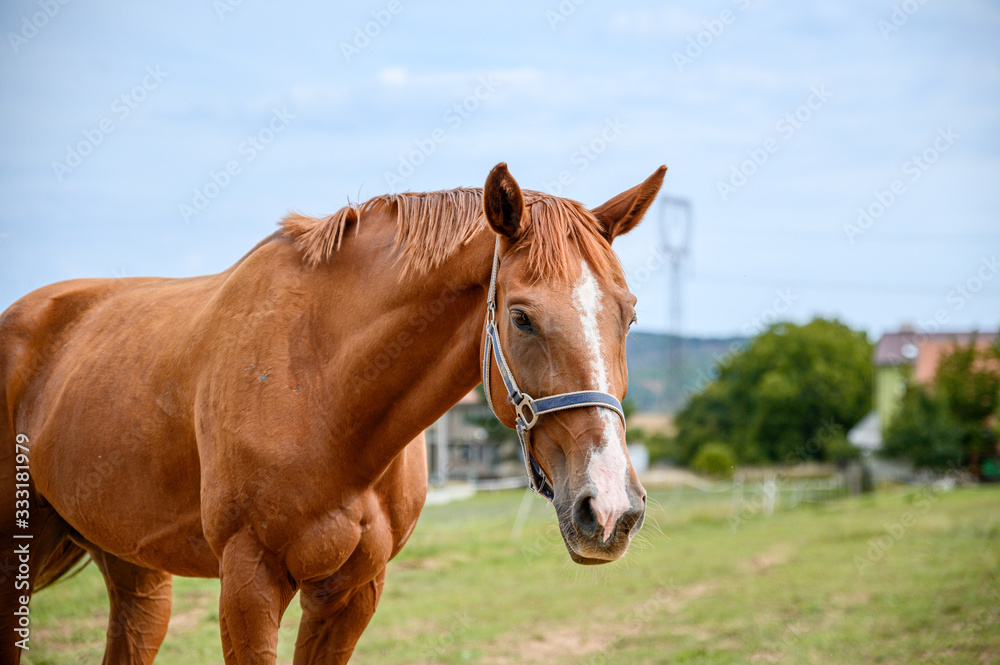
(526, 408)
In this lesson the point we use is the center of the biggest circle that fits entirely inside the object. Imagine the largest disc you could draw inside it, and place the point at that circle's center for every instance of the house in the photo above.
(909, 355)
(460, 445)
(899, 358)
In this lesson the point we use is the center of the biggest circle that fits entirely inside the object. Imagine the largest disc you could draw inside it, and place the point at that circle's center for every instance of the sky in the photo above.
(840, 159)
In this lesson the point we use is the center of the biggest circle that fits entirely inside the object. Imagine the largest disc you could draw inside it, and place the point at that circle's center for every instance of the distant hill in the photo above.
(653, 386)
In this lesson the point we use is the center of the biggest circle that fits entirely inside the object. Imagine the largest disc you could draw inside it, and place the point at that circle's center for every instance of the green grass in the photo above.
(903, 577)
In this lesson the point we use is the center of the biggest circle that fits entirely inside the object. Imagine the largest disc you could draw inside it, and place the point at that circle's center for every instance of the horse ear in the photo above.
(502, 202)
(621, 214)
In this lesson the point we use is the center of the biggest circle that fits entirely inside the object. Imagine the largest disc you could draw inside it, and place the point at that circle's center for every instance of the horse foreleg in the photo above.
(333, 621)
(140, 609)
(256, 589)
(228, 653)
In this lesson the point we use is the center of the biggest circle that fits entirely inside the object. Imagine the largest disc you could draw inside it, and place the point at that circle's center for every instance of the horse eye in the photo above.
(521, 320)
(634, 320)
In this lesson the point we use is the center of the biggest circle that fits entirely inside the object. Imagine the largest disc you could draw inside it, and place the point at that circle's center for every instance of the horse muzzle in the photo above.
(596, 530)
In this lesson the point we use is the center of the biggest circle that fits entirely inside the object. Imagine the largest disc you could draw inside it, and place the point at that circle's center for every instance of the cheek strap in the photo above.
(526, 408)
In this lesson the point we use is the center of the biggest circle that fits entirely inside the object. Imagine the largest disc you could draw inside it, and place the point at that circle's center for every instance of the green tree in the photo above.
(778, 399)
(715, 459)
(967, 382)
(924, 432)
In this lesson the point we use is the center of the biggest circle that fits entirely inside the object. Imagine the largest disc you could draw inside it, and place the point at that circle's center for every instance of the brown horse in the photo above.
(263, 425)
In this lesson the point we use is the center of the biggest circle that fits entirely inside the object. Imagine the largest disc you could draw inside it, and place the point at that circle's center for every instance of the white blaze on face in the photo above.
(607, 468)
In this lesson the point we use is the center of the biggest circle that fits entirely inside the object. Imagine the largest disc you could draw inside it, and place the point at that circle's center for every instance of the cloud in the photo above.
(392, 76)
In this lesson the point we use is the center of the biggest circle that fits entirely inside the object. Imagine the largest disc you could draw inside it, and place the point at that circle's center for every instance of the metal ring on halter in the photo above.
(526, 401)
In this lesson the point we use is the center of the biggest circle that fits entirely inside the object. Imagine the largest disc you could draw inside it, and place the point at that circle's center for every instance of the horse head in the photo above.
(560, 312)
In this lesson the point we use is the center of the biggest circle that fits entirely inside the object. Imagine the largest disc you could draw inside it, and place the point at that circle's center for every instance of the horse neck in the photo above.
(404, 350)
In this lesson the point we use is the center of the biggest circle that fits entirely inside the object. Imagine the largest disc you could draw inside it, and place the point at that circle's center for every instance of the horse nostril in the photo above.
(633, 519)
(630, 518)
(584, 517)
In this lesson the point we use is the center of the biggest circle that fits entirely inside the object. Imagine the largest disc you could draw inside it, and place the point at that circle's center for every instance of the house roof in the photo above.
(920, 349)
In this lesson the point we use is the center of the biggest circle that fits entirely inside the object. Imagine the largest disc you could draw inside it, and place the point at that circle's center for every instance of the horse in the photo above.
(264, 425)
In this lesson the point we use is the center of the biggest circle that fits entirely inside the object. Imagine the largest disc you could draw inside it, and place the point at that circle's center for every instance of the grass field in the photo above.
(907, 576)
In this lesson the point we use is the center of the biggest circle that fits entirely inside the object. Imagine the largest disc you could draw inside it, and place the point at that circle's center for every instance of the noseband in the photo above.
(527, 408)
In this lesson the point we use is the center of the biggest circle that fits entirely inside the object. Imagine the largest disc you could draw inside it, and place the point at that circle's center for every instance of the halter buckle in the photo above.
(519, 406)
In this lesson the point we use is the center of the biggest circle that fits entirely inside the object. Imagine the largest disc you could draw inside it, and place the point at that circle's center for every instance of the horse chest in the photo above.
(353, 548)
(322, 531)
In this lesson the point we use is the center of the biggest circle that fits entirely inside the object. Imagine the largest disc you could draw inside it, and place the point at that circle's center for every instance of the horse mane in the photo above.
(432, 226)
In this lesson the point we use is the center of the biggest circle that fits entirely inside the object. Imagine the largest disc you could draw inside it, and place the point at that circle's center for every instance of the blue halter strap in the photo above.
(527, 409)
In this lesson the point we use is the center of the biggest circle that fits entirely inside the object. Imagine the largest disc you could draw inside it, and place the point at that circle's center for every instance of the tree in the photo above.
(789, 396)
(924, 432)
(968, 381)
(968, 378)
(715, 459)
(956, 411)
